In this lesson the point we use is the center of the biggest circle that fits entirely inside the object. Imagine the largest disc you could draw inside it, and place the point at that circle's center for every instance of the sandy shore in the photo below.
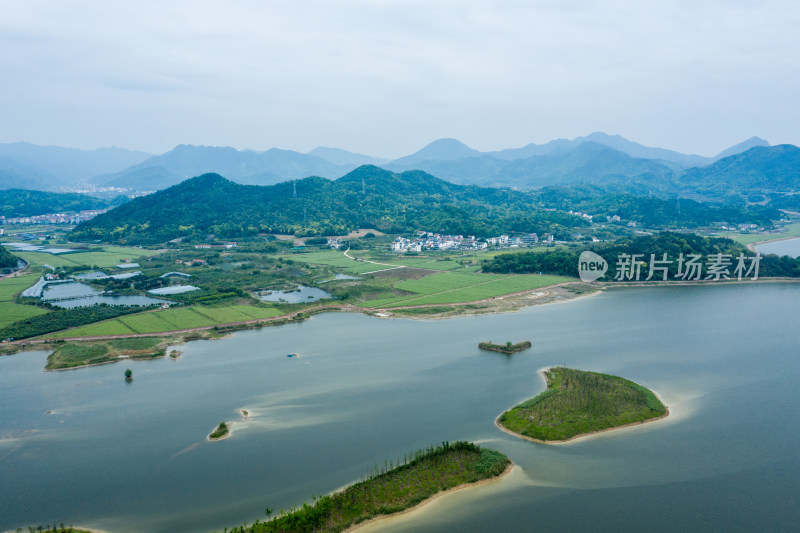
(582, 435)
(436, 496)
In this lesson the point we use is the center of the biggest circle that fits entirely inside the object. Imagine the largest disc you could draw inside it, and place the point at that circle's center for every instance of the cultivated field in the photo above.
(454, 287)
(10, 311)
(170, 320)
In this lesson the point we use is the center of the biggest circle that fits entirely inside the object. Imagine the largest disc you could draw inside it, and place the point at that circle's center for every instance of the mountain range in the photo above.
(597, 158)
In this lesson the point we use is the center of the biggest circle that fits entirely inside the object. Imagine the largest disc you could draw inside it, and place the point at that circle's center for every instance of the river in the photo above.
(133, 457)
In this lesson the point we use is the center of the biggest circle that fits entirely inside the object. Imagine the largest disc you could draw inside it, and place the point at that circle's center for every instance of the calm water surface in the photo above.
(303, 294)
(790, 247)
(81, 295)
(134, 457)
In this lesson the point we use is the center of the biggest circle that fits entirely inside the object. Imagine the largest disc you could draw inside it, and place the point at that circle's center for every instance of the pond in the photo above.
(70, 295)
(303, 294)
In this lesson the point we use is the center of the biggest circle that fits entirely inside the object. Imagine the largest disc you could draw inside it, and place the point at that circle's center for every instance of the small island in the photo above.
(506, 348)
(220, 432)
(393, 488)
(578, 403)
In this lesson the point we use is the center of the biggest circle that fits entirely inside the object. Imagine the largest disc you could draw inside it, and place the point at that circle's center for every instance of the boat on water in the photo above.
(292, 355)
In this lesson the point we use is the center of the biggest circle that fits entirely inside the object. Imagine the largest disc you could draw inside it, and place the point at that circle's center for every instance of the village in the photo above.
(55, 218)
(426, 241)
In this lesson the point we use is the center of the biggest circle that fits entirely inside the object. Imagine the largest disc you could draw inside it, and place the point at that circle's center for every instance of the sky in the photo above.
(387, 77)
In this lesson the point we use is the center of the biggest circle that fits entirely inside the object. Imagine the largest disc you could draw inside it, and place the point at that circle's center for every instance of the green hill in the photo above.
(7, 259)
(368, 197)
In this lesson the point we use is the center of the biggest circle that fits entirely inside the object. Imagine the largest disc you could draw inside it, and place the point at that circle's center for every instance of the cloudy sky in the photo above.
(387, 77)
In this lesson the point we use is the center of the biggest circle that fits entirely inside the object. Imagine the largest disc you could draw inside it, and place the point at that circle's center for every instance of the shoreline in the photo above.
(434, 497)
(752, 245)
(290, 317)
(582, 435)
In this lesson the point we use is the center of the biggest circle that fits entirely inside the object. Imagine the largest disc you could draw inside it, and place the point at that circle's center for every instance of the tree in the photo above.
(128, 374)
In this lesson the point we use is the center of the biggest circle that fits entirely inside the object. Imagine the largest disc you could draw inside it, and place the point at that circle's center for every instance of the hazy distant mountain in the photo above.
(258, 168)
(762, 168)
(741, 147)
(451, 149)
(587, 162)
(14, 174)
(440, 150)
(337, 156)
(64, 166)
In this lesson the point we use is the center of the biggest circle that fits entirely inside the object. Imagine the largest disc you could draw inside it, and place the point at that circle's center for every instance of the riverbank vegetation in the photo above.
(506, 348)
(77, 354)
(390, 489)
(577, 402)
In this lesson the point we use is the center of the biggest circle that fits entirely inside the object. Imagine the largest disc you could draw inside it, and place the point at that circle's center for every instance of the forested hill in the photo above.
(7, 259)
(27, 203)
(368, 197)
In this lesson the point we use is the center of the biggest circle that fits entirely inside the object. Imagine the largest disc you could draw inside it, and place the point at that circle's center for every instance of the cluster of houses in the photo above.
(426, 240)
(191, 262)
(223, 246)
(55, 218)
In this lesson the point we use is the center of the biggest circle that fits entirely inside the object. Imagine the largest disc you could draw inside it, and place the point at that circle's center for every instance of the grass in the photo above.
(336, 259)
(457, 287)
(577, 402)
(106, 327)
(10, 311)
(73, 355)
(102, 257)
(389, 489)
(78, 354)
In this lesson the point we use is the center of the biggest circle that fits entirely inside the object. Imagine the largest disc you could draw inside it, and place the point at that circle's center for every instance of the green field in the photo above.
(170, 320)
(101, 257)
(10, 311)
(790, 230)
(455, 287)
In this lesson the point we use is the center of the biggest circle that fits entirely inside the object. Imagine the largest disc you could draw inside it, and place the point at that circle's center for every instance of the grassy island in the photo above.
(221, 432)
(390, 489)
(506, 348)
(577, 403)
